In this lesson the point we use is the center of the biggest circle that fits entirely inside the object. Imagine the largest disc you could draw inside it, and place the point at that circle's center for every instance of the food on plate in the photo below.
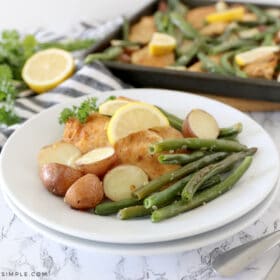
(59, 152)
(201, 124)
(97, 161)
(48, 68)
(134, 149)
(85, 193)
(58, 178)
(134, 117)
(120, 182)
(224, 38)
(135, 159)
(89, 135)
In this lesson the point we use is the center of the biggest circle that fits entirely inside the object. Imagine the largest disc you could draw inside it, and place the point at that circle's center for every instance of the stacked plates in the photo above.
(217, 220)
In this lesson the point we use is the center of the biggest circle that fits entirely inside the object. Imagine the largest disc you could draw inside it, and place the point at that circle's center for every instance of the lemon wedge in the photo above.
(226, 15)
(251, 56)
(110, 107)
(161, 44)
(47, 69)
(133, 117)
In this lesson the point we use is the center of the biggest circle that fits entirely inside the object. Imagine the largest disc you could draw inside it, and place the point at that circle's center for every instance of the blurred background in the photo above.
(59, 15)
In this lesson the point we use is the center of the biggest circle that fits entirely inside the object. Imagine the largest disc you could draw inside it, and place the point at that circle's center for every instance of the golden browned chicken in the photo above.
(197, 16)
(142, 31)
(133, 149)
(89, 135)
(263, 68)
(143, 57)
(214, 29)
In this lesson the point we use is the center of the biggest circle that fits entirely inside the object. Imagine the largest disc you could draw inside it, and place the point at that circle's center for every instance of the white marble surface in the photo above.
(23, 250)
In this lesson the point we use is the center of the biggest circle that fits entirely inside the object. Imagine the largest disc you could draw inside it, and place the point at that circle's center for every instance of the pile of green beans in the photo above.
(213, 167)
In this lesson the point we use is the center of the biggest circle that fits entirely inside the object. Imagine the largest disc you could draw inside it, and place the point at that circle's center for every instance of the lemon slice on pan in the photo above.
(161, 44)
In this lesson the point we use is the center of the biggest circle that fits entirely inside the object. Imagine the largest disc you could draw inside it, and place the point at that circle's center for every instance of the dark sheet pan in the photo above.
(140, 76)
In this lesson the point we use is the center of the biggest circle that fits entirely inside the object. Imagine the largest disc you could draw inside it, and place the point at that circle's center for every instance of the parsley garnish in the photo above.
(80, 113)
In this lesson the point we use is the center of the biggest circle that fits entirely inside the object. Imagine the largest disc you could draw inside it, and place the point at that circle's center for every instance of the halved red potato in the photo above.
(60, 152)
(97, 161)
(121, 181)
(85, 193)
(200, 124)
(58, 178)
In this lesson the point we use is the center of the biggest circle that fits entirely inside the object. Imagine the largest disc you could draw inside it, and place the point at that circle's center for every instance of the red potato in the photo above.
(200, 124)
(60, 152)
(97, 161)
(58, 178)
(85, 193)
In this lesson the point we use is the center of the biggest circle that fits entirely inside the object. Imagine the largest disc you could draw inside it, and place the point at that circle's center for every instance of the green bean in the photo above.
(125, 29)
(181, 159)
(238, 72)
(160, 199)
(231, 130)
(268, 40)
(163, 198)
(173, 120)
(209, 171)
(186, 58)
(210, 65)
(159, 22)
(196, 144)
(108, 208)
(109, 54)
(176, 175)
(260, 13)
(202, 197)
(124, 43)
(233, 44)
(185, 27)
(133, 212)
(226, 64)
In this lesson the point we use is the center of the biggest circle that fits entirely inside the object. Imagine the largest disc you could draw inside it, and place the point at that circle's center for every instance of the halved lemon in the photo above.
(47, 69)
(227, 15)
(133, 117)
(255, 54)
(110, 107)
(161, 44)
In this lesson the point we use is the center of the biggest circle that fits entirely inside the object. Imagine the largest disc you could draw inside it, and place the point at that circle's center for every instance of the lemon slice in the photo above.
(46, 69)
(227, 15)
(110, 107)
(133, 117)
(251, 56)
(161, 44)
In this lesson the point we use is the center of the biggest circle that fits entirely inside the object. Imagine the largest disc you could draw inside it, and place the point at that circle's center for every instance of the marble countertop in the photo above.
(32, 255)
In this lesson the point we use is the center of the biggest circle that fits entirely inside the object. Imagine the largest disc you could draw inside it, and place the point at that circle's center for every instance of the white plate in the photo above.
(21, 182)
(159, 248)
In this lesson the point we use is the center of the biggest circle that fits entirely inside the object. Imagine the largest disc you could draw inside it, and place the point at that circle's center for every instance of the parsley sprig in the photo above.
(80, 113)
(14, 51)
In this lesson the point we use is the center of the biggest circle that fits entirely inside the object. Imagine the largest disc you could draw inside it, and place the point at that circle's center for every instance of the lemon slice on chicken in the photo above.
(133, 117)
(110, 107)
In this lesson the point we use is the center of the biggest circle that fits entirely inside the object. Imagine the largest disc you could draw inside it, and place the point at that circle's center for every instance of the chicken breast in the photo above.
(89, 135)
(214, 29)
(143, 57)
(142, 31)
(196, 17)
(263, 68)
(133, 149)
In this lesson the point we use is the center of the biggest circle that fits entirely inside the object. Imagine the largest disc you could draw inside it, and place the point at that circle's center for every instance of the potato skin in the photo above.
(58, 178)
(85, 193)
(99, 168)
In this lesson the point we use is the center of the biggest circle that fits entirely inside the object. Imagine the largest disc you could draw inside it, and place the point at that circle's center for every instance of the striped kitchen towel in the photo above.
(87, 80)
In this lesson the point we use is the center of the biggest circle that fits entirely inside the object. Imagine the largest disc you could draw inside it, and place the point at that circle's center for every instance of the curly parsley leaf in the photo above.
(80, 113)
